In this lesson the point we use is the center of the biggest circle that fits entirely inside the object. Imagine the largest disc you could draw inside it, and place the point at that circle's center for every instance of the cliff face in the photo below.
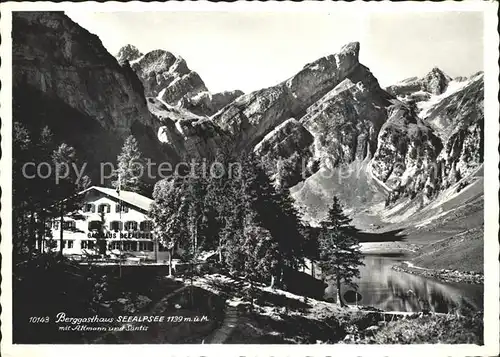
(434, 82)
(82, 93)
(251, 116)
(455, 116)
(168, 78)
(346, 122)
(287, 152)
(206, 103)
(340, 109)
(459, 120)
(407, 149)
(163, 74)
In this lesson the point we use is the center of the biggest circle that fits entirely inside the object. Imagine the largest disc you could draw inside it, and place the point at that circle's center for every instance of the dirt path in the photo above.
(231, 320)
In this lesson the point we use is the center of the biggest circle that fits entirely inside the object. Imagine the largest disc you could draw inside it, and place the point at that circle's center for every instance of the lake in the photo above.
(390, 290)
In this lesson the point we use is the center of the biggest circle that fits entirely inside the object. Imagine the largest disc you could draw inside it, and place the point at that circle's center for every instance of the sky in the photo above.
(249, 51)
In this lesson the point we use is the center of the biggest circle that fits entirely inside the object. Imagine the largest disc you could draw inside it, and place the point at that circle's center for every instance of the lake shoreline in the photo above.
(409, 250)
(445, 275)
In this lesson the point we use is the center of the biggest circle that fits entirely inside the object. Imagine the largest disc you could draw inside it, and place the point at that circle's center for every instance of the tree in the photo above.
(258, 204)
(168, 212)
(22, 153)
(44, 188)
(339, 250)
(66, 192)
(130, 167)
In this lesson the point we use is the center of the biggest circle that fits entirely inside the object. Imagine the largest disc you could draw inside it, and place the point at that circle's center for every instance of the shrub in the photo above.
(433, 329)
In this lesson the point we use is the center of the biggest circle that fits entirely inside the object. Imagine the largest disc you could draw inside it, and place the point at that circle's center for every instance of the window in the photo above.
(114, 245)
(145, 246)
(87, 244)
(130, 246)
(89, 207)
(123, 206)
(55, 224)
(69, 225)
(94, 225)
(146, 226)
(104, 208)
(131, 226)
(68, 244)
(116, 226)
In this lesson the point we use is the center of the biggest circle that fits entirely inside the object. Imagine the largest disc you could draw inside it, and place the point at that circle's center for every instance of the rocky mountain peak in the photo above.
(436, 81)
(128, 53)
(167, 76)
(350, 49)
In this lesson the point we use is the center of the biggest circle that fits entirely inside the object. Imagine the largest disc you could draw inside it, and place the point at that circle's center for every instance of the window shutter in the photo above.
(92, 207)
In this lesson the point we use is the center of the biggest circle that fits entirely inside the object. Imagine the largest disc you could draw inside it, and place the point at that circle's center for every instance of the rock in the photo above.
(407, 149)
(463, 113)
(346, 122)
(206, 103)
(286, 151)
(252, 115)
(372, 328)
(70, 83)
(348, 337)
(128, 53)
(188, 85)
(165, 75)
(435, 82)
(142, 301)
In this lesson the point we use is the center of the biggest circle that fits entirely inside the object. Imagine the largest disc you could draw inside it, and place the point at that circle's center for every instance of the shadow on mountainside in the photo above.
(389, 236)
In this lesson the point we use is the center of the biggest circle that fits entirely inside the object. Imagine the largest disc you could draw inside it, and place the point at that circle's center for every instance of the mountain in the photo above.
(252, 115)
(63, 77)
(434, 82)
(397, 157)
(456, 116)
(168, 78)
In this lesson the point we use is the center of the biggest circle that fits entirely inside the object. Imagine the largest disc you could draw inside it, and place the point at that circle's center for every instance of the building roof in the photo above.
(132, 198)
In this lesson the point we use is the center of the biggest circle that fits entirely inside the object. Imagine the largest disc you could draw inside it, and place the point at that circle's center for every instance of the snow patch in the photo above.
(160, 95)
(453, 87)
(138, 59)
(179, 128)
(370, 174)
(162, 135)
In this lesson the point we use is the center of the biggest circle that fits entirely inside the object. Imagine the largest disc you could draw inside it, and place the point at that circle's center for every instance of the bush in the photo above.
(432, 329)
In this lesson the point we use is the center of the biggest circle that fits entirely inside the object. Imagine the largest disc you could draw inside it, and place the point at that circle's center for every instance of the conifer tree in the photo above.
(169, 211)
(22, 148)
(339, 250)
(65, 194)
(130, 167)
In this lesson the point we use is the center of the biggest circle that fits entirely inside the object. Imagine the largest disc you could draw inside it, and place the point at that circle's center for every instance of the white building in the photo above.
(129, 231)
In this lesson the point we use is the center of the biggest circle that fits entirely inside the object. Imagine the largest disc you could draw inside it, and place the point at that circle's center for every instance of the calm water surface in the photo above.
(387, 289)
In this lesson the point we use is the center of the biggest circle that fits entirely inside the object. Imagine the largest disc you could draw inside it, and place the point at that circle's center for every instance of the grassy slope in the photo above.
(439, 225)
(352, 184)
(463, 252)
(454, 240)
